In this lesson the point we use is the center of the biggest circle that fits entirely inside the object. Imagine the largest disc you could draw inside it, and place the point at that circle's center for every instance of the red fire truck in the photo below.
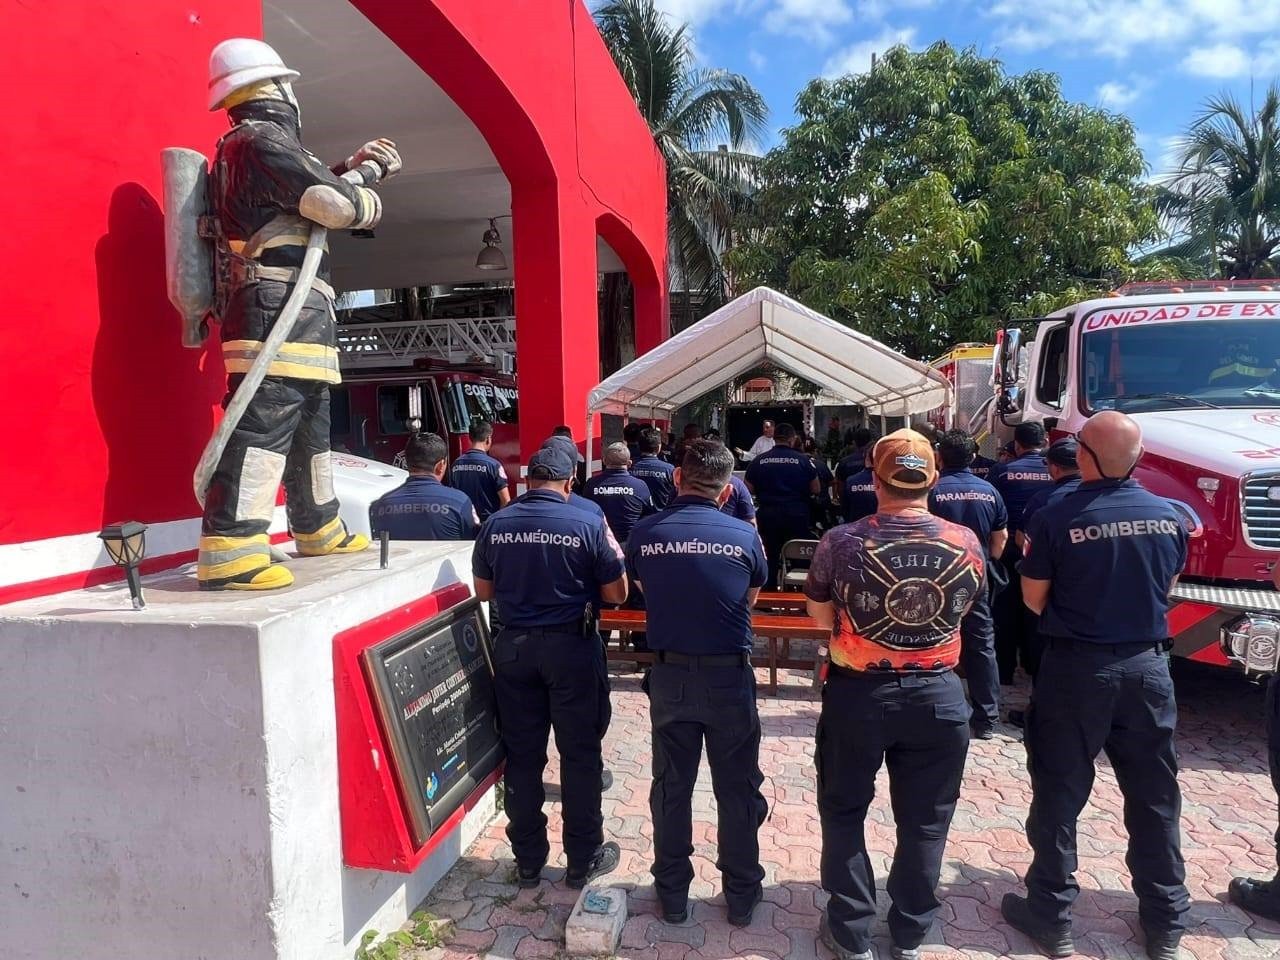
(442, 373)
(1197, 364)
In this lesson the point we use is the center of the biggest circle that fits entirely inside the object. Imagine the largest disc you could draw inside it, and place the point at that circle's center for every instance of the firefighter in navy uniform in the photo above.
(971, 502)
(479, 475)
(1262, 897)
(1062, 461)
(858, 498)
(423, 508)
(1098, 569)
(701, 571)
(657, 474)
(623, 498)
(782, 479)
(893, 587)
(544, 563)
(1017, 481)
(266, 192)
(739, 504)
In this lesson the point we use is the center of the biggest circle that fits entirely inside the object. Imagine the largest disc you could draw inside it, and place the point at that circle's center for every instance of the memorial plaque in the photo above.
(434, 689)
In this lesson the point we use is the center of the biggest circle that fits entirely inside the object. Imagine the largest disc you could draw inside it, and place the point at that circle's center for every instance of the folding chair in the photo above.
(793, 563)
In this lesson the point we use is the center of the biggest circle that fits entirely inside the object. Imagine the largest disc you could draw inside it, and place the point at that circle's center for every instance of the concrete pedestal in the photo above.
(169, 776)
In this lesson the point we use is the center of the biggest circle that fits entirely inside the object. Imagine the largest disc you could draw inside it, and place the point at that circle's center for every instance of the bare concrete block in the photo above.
(595, 926)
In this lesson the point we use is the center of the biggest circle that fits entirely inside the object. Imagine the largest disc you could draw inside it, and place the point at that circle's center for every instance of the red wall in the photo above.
(104, 412)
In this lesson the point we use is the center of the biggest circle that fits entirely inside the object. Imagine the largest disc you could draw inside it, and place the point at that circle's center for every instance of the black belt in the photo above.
(558, 629)
(901, 677)
(742, 659)
(1126, 649)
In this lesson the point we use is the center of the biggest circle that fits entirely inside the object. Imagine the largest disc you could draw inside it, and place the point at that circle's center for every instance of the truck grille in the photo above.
(1261, 513)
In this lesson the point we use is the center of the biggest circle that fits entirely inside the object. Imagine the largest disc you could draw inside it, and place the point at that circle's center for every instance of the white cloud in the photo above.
(1116, 96)
(1118, 28)
(692, 12)
(856, 58)
(879, 9)
(757, 59)
(811, 20)
(1217, 60)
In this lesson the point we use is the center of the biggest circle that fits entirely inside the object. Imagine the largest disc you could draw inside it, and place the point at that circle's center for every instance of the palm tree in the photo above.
(703, 122)
(1223, 200)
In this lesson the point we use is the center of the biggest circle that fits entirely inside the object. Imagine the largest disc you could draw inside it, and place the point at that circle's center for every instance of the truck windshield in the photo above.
(464, 402)
(1201, 363)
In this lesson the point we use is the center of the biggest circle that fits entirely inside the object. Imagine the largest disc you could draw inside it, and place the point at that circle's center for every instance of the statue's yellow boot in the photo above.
(331, 538)
(239, 563)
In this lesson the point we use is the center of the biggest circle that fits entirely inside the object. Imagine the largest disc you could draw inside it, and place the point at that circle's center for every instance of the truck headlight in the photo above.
(1253, 641)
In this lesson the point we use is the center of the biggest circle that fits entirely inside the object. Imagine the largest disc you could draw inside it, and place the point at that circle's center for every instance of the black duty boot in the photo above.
(1259, 897)
(1163, 944)
(1054, 940)
(605, 861)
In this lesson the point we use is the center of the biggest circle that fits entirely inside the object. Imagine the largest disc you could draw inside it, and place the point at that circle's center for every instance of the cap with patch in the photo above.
(551, 462)
(905, 459)
(568, 444)
(1063, 452)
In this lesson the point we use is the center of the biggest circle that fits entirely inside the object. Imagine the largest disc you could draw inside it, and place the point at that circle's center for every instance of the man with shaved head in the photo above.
(1099, 564)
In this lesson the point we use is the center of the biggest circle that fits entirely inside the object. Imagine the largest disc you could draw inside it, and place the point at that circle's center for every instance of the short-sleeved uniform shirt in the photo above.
(547, 560)
(579, 502)
(850, 465)
(1110, 550)
(858, 497)
(623, 498)
(423, 508)
(739, 504)
(962, 498)
(1018, 481)
(781, 480)
(825, 477)
(658, 476)
(481, 477)
(982, 466)
(1042, 498)
(696, 565)
(901, 585)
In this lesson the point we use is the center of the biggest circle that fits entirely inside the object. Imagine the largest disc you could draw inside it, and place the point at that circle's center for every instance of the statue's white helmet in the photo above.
(235, 64)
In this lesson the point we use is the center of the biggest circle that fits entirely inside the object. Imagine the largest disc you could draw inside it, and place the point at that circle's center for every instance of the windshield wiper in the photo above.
(1177, 397)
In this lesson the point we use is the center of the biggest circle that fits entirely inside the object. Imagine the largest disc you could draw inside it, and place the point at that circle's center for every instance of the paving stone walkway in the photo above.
(1229, 817)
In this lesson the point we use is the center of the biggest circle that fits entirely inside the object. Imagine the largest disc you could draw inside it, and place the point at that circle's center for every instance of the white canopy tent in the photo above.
(767, 327)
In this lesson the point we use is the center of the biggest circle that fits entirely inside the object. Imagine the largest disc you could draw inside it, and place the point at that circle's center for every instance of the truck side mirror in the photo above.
(1010, 357)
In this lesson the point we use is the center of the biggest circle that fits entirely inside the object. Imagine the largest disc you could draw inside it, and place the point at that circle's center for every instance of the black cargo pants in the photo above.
(552, 678)
(713, 701)
(779, 525)
(978, 657)
(1118, 698)
(918, 725)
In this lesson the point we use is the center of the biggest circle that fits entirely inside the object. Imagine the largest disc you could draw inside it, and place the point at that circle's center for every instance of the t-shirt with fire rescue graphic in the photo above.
(900, 583)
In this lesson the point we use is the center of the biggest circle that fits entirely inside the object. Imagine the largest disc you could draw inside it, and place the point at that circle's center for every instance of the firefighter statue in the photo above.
(267, 202)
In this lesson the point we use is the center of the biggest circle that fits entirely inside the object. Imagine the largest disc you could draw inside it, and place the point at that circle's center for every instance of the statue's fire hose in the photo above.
(280, 331)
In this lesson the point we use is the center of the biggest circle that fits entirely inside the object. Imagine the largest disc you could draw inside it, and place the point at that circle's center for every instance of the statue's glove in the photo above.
(382, 152)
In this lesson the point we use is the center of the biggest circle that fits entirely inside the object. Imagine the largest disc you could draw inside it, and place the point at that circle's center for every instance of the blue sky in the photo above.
(1155, 60)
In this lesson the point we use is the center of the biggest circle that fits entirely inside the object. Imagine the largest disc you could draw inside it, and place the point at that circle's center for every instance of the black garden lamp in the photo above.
(126, 545)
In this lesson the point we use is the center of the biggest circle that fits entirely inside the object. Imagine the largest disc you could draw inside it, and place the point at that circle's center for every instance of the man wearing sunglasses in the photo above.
(1098, 568)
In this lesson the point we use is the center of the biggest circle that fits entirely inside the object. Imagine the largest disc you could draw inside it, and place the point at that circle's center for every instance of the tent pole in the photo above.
(590, 418)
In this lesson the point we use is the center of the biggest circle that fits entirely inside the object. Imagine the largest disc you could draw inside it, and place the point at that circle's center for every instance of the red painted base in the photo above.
(376, 834)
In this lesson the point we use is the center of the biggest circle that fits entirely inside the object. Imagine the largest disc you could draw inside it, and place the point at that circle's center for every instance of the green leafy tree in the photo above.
(692, 113)
(1223, 199)
(931, 198)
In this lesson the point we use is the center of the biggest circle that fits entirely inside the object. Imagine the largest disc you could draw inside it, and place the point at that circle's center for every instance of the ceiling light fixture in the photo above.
(491, 256)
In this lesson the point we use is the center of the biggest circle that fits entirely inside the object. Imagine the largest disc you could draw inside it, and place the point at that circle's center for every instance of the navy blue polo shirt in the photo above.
(970, 501)
(739, 504)
(824, 477)
(622, 497)
(547, 560)
(858, 496)
(658, 476)
(480, 477)
(696, 565)
(590, 507)
(781, 479)
(850, 465)
(982, 466)
(423, 508)
(1111, 550)
(1043, 497)
(1019, 480)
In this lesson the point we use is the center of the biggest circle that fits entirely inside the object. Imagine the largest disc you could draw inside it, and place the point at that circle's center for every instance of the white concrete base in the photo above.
(589, 934)
(169, 776)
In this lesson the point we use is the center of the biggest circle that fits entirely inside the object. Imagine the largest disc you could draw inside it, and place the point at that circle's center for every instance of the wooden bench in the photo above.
(771, 626)
(781, 600)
